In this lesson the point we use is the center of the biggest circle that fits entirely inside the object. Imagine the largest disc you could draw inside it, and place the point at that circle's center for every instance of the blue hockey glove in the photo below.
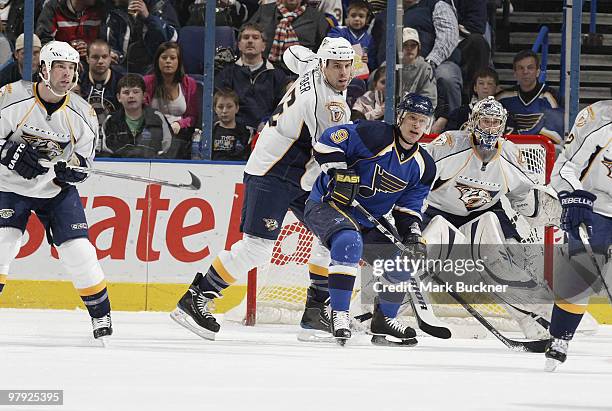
(577, 208)
(22, 158)
(345, 186)
(65, 174)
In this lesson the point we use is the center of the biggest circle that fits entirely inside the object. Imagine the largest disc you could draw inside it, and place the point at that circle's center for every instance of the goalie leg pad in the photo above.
(10, 242)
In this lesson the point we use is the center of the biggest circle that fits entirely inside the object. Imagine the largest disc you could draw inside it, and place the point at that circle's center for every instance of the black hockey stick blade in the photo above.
(536, 346)
(196, 184)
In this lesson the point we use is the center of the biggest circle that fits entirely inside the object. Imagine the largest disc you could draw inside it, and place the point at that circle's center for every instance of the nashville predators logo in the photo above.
(383, 182)
(336, 111)
(46, 148)
(608, 163)
(474, 197)
(271, 224)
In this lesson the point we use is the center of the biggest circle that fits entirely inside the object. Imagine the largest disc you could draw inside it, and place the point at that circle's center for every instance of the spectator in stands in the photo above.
(289, 22)
(472, 18)
(13, 71)
(174, 93)
(99, 82)
(372, 104)
(136, 28)
(532, 106)
(438, 29)
(356, 31)
(12, 18)
(485, 84)
(74, 21)
(232, 13)
(135, 130)
(257, 82)
(230, 138)
(417, 75)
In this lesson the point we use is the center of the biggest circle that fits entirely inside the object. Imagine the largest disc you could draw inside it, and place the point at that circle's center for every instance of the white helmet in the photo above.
(494, 111)
(58, 51)
(335, 48)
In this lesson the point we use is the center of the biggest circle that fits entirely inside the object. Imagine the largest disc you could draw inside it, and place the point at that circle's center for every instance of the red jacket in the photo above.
(58, 22)
(190, 91)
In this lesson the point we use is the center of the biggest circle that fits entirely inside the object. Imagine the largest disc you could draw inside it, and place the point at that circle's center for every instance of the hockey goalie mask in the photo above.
(335, 48)
(487, 122)
(58, 51)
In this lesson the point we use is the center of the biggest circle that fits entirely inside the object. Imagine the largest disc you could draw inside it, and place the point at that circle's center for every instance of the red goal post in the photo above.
(539, 153)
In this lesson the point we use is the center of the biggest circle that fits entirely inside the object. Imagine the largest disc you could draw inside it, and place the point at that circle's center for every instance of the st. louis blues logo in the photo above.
(383, 182)
(608, 163)
(271, 224)
(474, 197)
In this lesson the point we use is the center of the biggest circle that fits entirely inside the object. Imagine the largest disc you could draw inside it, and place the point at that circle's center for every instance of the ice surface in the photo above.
(153, 364)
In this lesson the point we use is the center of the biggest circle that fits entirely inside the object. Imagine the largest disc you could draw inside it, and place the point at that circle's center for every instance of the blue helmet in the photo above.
(414, 103)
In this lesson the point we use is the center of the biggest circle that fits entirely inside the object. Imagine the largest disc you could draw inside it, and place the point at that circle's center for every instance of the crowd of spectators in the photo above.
(132, 70)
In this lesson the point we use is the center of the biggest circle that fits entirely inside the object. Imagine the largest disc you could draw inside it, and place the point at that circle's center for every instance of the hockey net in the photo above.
(276, 292)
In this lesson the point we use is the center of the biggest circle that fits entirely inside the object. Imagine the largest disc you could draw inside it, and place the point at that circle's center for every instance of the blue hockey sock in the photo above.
(563, 324)
(97, 304)
(340, 291)
(319, 287)
(212, 281)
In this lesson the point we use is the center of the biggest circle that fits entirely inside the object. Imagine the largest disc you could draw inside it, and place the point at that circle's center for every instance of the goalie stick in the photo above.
(584, 237)
(194, 184)
(421, 307)
(537, 346)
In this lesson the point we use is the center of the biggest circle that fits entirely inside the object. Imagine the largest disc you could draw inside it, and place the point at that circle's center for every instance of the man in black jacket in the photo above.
(258, 84)
(135, 130)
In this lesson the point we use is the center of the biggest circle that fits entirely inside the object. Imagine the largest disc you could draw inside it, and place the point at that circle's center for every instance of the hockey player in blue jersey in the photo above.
(582, 177)
(383, 168)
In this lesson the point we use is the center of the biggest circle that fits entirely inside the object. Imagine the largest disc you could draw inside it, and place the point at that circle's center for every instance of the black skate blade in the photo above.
(182, 319)
(318, 336)
(341, 341)
(380, 340)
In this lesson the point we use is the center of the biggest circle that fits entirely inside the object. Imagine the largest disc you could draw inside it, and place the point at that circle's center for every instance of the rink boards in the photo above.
(151, 240)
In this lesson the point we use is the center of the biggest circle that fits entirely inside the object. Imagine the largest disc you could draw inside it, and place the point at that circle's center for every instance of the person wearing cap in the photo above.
(417, 75)
(13, 71)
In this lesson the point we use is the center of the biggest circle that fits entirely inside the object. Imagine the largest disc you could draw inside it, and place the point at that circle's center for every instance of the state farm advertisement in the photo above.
(144, 232)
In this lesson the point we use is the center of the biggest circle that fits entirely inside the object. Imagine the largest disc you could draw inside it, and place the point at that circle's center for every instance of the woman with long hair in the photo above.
(174, 94)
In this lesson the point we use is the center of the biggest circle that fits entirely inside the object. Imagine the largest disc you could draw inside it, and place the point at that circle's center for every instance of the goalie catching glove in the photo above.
(345, 186)
(577, 209)
(65, 174)
(21, 158)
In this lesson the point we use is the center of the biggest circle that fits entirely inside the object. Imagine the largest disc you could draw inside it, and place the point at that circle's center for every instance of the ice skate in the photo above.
(315, 320)
(390, 331)
(192, 311)
(556, 354)
(102, 328)
(340, 325)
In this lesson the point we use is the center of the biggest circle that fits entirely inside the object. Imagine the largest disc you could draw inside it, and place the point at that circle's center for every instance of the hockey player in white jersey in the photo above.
(582, 176)
(45, 120)
(278, 176)
(476, 167)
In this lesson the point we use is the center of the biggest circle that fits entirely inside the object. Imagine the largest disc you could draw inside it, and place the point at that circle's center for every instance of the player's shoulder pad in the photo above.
(512, 152)
(427, 165)
(375, 135)
(338, 134)
(80, 105)
(15, 92)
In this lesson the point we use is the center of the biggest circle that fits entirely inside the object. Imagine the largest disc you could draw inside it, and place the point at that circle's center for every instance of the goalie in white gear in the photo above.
(278, 176)
(44, 120)
(476, 168)
(583, 178)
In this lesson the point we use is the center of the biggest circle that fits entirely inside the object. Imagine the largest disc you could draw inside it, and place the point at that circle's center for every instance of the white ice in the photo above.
(153, 364)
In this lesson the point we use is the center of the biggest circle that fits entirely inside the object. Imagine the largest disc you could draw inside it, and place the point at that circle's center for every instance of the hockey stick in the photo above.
(537, 346)
(195, 183)
(528, 346)
(422, 309)
(584, 237)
